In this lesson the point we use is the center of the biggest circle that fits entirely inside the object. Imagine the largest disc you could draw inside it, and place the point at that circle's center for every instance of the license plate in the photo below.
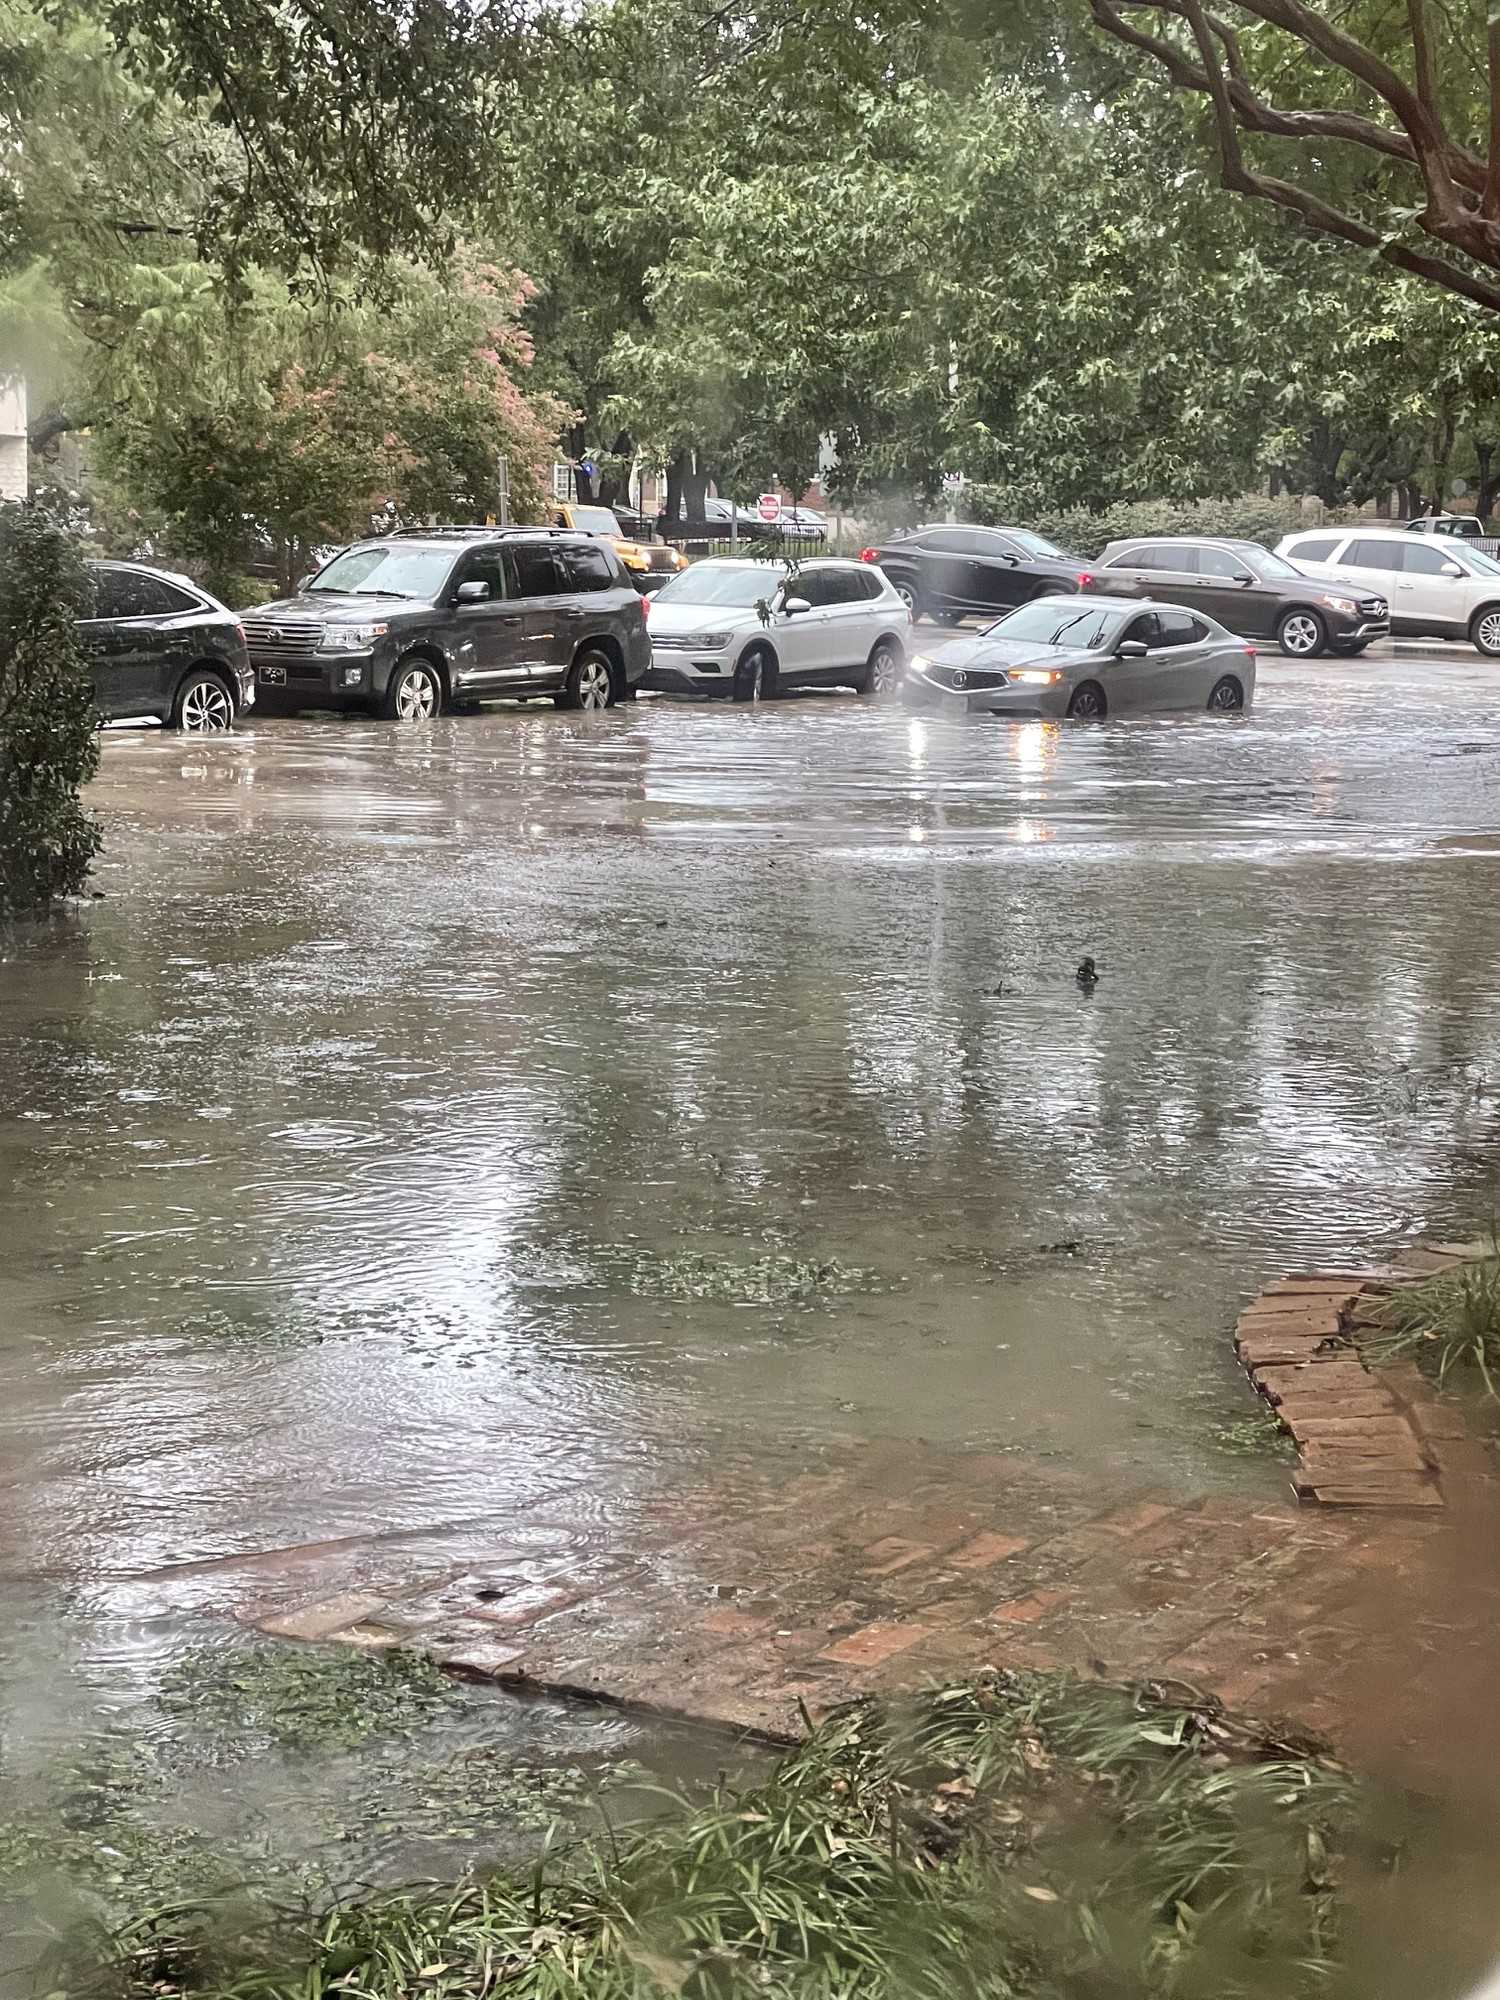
(272, 676)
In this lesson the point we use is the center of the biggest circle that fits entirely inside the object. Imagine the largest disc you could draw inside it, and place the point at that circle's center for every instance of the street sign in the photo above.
(769, 506)
(953, 482)
(588, 468)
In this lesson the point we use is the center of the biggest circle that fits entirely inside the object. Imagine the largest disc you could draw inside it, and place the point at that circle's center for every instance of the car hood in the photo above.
(982, 651)
(330, 606)
(705, 617)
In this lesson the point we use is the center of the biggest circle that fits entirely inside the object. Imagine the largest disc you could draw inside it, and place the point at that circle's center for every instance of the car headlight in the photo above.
(705, 642)
(351, 638)
(1345, 604)
(1036, 676)
(919, 662)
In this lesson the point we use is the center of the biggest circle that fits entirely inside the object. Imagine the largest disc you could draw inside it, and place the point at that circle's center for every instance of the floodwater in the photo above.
(358, 1147)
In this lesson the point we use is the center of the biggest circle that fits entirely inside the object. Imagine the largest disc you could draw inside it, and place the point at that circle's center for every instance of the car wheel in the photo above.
(909, 594)
(1351, 649)
(1226, 696)
(1302, 635)
(590, 683)
(883, 674)
(1484, 630)
(203, 705)
(1087, 702)
(753, 676)
(414, 692)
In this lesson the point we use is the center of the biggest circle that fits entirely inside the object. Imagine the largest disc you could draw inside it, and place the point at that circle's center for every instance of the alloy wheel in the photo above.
(885, 671)
(907, 592)
(593, 684)
(417, 697)
(206, 706)
(1227, 696)
(1087, 704)
(1300, 634)
(1487, 632)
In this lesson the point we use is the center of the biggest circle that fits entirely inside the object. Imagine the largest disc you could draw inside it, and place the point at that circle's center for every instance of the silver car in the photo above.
(1088, 657)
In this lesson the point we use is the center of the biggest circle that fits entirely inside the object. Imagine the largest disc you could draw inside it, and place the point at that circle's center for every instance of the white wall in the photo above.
(12, 440)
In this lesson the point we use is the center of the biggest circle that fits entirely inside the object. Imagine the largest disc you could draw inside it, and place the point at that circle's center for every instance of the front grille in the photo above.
(1373, 607)
(663, 558)
(276, 638)
(962, 678)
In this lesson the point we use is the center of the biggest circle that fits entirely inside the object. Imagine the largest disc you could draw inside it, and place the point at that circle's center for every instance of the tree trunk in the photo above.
(677, 468)
(578, 444)
(695, 489)
(1489, 479)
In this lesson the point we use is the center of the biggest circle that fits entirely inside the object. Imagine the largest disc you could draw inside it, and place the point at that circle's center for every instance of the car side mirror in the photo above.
(304, 581)
(1243, 576)
(1132, 649)
(1453, 569)
(793, 605)
(475, 591)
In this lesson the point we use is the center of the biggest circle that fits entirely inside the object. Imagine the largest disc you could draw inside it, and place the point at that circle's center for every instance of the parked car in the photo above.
(1249, 590)
(1088, 656)
(1468, 527)
(753, 629)
(801, 524)
(648, 563)
(720, 521)
(159, 646)
(406, 623)
(950, 573)
(1436, 590)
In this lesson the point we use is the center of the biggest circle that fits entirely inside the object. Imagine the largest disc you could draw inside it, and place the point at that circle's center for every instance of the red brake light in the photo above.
(646, 609)
(1085, 578)
(1251, 653)
(869, 555)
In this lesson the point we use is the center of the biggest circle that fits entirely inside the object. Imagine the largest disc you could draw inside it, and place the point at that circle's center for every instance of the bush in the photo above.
(49, 748)
(1449, 1326)
(1085, 533)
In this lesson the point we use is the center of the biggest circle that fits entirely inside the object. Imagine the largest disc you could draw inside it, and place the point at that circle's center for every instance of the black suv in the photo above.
(1256, 594)
(949, 573)
(407, 623)
(159, 646)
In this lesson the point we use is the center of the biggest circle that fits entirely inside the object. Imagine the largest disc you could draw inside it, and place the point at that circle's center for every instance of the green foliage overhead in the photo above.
(48, 744)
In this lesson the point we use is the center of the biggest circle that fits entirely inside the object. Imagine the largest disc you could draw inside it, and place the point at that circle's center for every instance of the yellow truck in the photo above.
(648, 563)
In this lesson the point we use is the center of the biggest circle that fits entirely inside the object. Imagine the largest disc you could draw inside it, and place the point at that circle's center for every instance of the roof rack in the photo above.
(467, 534)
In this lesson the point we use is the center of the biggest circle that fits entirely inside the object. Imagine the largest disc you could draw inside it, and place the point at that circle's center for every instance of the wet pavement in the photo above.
(430, 1122)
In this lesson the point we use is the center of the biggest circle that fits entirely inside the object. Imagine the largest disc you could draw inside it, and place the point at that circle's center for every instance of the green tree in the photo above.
(49, 746)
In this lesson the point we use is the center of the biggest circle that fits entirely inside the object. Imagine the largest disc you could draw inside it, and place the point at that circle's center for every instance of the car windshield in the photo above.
(1035, 545)
(1268, 565)
(595, 521)
(721, 583)
(1477, 560)
(387, 572)
(1058, 622)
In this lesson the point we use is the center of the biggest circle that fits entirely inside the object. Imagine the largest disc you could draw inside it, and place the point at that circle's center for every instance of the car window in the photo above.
(1424, 560)
(1146, 627)
(1153, 558)
(1179, 628)
(1059, 621)
(127, 593)
(1219, 562)
(733, 584)
(817, 587)
(990, 542)
(1377, 554)
(483, 566)
(867, 582)
(1317, 548)
(400, 570)
(950, 541)
(588, 568)
(536, 570)
(591, 520)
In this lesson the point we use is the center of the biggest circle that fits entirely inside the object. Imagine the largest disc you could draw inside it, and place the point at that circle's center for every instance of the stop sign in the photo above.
(769, 506)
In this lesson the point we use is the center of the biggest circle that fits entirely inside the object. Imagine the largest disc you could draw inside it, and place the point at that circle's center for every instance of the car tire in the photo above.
(882, 676)
(1088, 702)
(414, 692)
(1226, 696)
(590, 683)
(906, 589)
(951, 617)
(1301, 634)
(1351, 648)
(1484, 631)
(755, 676)
(204, 705)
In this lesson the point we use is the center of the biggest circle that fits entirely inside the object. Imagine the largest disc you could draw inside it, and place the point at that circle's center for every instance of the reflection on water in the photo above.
(329, 1139)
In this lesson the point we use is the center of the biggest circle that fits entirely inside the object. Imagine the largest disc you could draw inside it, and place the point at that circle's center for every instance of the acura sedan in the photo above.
(1088, 657)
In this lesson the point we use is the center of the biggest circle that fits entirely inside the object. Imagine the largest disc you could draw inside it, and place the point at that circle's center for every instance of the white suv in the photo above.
(1437, 589)
(751, 629)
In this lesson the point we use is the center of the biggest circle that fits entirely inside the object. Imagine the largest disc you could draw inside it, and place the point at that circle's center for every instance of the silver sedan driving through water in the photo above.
(1088, 657)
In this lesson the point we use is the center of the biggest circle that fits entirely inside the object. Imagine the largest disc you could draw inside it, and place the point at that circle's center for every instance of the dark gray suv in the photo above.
(406, 624)
(1256, 594)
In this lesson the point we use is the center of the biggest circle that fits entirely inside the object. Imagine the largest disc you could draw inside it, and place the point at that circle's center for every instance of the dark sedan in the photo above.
(1253, 592)
(950, 573)
(159, 646)
(1087, 657)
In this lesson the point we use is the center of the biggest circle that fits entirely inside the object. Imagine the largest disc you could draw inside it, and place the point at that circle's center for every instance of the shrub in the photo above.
(1449, 1325)
(1086, 532)
(48, 745)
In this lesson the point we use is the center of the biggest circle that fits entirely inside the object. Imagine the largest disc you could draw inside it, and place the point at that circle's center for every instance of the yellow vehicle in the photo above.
(649, 563)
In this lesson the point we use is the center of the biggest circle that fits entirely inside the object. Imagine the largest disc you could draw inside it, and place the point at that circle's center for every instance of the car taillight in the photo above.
(646, 609)
(869, 555)
(1085, 578)
(1251, 653)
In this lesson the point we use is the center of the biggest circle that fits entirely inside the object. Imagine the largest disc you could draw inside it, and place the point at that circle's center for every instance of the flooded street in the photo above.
(427, 1118)
(427, 1122)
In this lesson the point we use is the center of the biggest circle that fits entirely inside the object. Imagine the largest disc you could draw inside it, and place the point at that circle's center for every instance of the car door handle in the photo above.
(572, 610)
